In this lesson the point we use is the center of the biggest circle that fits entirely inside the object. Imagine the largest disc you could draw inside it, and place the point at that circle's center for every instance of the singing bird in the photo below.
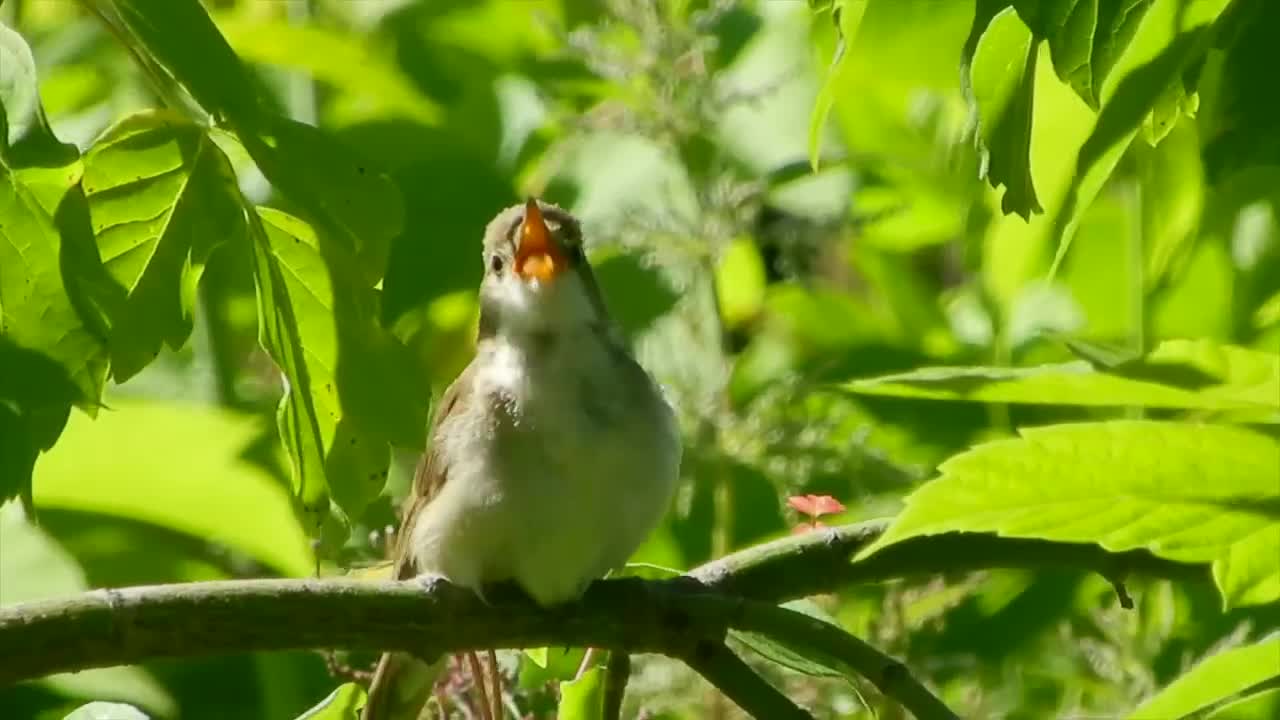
(553, 454)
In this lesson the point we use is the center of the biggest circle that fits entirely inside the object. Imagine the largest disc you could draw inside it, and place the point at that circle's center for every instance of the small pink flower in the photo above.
(815, 506)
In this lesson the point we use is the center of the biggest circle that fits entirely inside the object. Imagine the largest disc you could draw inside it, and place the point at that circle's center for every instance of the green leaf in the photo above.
(343, 703)
(216, 496)
(1182, 38)
(356, 207)
(106, 711)
(1177, 374)
(162, 198)
(34, 567)
(1086, 37)
(1186, 492)
(52, 350)
(1259, 706)
(336, 59)
(845, 17)
(583, 699)
(801, 659)
(1004, 102)
(740, 282)
(179, 35)
(1213, 680)
(351, 386)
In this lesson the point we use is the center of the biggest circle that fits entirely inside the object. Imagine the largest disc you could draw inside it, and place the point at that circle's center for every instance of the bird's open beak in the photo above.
(538, 256)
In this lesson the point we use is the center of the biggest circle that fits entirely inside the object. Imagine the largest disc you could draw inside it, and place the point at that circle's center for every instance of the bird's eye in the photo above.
(496, 263)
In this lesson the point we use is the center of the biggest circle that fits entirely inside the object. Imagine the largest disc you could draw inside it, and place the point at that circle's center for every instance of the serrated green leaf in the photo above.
(1004, 102)
(343, 703)
(352, 387)
(162, 198)
(1213, 680)
(336, 59)
(52, 350)
(1177, 374)
(1166, 42)
(583, 699)
(1086, 37)
(106, 711)
(1186, 492)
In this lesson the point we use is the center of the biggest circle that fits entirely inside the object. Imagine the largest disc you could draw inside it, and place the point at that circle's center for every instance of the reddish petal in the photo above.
(827, 505)
(806, 504)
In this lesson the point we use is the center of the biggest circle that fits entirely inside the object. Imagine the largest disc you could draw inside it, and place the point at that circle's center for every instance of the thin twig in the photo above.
(617, 673)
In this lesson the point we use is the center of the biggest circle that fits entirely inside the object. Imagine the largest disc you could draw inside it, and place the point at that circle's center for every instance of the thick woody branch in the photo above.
(675, 618)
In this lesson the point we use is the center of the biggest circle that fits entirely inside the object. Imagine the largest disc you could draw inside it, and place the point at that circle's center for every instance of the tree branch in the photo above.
(733, 677)
(429, 617)
(822, 561)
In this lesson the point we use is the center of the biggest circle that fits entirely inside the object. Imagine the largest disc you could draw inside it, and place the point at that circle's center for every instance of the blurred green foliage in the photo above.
(853, 238)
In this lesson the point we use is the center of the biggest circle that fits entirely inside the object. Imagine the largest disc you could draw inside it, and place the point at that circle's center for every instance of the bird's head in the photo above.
(536, 278)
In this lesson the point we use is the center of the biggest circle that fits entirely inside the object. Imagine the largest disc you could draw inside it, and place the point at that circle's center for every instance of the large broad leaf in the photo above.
(52, 353)
(845, 16)
(351, 387)
(177, 467)
(1186, 492)
(162, 197)
(1177, 374)
(1214, 680)
(34, 567)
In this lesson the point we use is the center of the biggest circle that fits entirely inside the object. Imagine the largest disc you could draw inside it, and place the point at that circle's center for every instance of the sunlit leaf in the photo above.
(106, 711)
(343, 703)
(34, 567)
(334, 58)
(1177, 374)
(740, 282)
(352, 388)
(162, 198)
(52, 352)
(1004, 103)
(1187, 492)
(1086, 37)
(1172, 200)
(217, 496)
(1259, 706)
(845, 16)
(1179, 39)
(1213, 680)
(583, 698)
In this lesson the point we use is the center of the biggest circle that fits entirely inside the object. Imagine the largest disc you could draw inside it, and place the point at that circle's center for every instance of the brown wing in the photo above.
(414, 677)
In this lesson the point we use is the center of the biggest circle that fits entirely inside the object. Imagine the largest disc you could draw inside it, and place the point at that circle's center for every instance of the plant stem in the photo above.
(718, 664)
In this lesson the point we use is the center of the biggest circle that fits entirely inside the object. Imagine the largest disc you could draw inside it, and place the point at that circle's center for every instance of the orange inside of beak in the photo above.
(538, 257)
